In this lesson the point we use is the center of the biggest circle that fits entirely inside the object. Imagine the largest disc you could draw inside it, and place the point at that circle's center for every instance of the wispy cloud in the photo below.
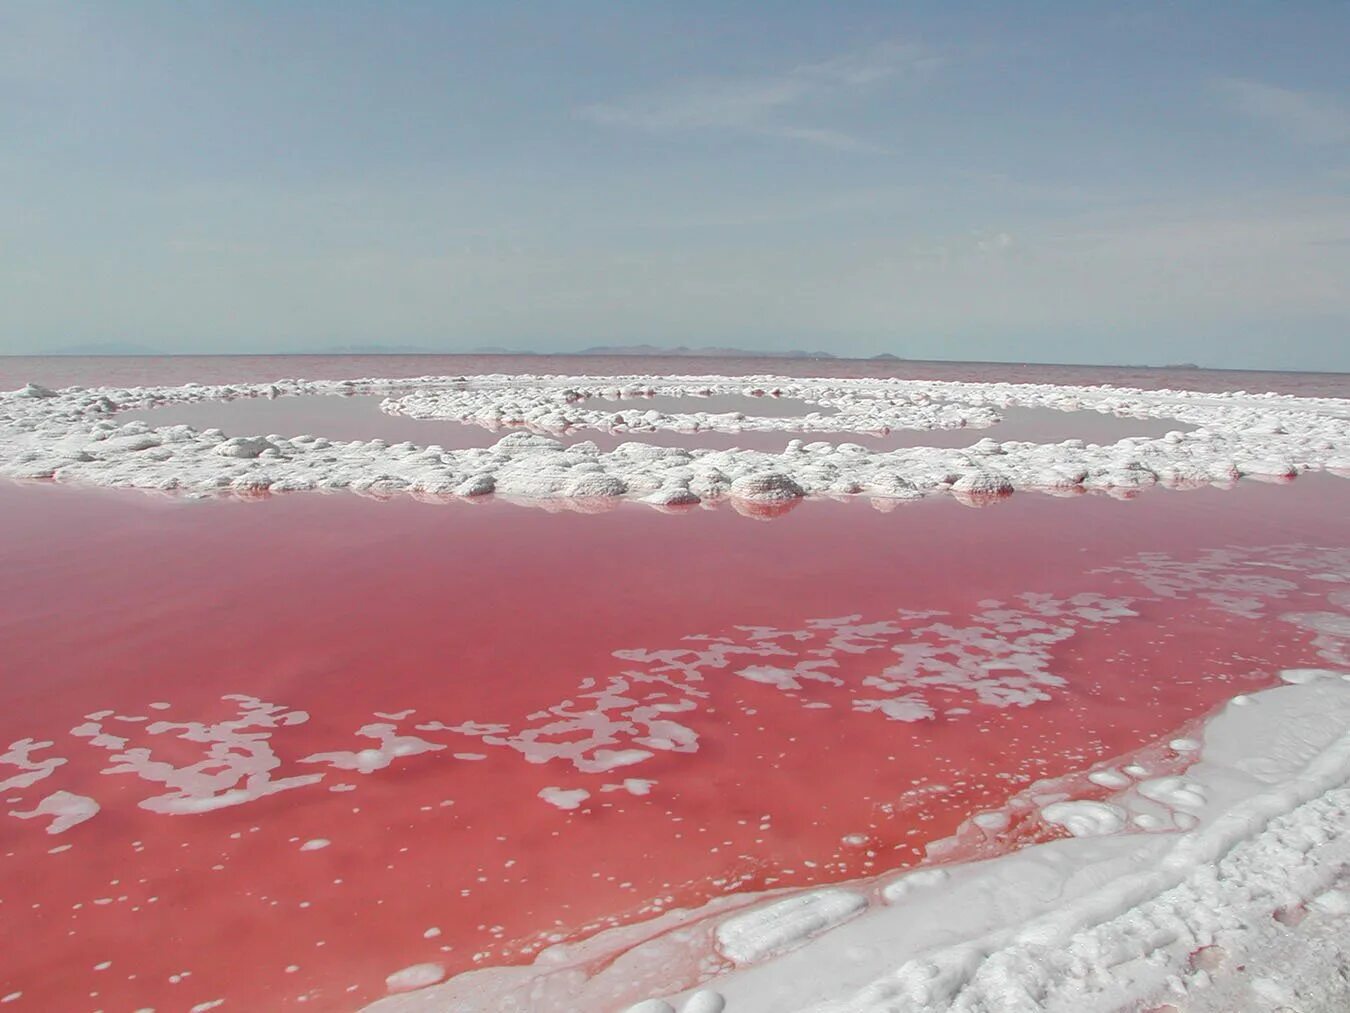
(1305, 116)
(768, 105)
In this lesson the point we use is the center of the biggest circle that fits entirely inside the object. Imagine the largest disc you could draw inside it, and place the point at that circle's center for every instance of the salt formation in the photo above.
(73, 435)
(786, 924)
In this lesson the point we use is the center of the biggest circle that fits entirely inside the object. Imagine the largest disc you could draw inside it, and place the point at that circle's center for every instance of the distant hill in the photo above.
(372, 350)
(710, 352)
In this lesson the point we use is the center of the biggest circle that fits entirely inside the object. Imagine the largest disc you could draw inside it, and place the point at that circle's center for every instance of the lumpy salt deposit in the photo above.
(74, 435)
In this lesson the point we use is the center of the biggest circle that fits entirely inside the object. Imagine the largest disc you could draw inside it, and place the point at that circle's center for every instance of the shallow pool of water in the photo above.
(358, 417)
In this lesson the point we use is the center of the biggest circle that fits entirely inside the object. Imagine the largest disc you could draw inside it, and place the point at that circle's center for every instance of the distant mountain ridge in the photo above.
(709, 351)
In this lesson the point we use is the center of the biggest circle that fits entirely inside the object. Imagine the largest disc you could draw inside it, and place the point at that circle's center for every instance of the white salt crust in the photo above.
(1206, 914)
(73, 435)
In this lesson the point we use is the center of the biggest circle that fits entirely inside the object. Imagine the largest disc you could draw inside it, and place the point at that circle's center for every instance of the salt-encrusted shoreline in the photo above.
(1213, 878)
(73, 435)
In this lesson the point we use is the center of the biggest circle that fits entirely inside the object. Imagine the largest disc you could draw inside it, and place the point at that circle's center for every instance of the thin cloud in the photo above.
(1303, 116)
(766, 106)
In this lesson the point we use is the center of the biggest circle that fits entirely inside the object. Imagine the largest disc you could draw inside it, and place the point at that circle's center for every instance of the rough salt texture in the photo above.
(1202, 919)
(786, 924)
(73, 435)
(1236, 898)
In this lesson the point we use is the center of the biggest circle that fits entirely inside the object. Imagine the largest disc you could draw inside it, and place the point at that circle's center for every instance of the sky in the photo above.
(1099, 183)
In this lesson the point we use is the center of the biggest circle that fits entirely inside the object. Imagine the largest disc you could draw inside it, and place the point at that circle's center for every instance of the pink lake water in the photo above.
(358, 417)
(317, 727)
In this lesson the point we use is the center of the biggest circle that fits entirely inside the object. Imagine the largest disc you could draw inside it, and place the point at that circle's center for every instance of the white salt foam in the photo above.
(564, 798)
(66, 809)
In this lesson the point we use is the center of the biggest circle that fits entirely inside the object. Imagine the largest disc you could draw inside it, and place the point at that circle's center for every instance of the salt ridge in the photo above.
(73, 435)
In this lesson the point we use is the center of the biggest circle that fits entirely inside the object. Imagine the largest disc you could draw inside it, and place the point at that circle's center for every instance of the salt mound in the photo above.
(769, 485)
(785, 925)
(1086, 819)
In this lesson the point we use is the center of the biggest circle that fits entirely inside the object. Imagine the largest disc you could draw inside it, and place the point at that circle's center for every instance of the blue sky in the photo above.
(1065, 182)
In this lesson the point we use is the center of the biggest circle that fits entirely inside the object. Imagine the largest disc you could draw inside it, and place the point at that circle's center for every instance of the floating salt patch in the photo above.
(564, 798)
(770, 676)
(1085, 818)
(907, 708)
(417, 976)
(786, 924)
(366, 761)
(612, 759)
(632, 785)
(316, 844)
(67, 809)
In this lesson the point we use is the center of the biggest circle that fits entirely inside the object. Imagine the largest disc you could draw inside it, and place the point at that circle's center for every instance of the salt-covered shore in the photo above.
(1206, 872)
(1225, 887)
(73, 435)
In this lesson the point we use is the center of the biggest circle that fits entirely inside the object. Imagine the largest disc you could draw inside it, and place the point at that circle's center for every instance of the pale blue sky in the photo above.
(1020, 181)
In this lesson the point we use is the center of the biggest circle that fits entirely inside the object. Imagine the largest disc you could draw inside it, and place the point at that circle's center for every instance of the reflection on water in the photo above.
(358, 417)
